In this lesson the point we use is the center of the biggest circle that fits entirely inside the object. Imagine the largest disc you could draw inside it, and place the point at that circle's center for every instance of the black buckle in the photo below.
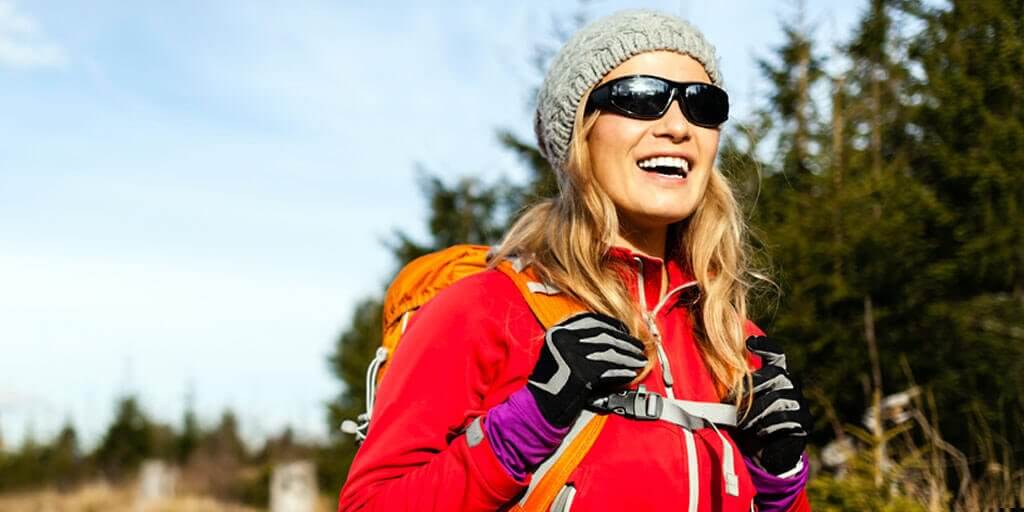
(639, 404)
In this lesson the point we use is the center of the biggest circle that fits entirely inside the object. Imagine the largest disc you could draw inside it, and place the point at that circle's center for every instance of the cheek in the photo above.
(610, 141)
(709, 143)
(613, 136)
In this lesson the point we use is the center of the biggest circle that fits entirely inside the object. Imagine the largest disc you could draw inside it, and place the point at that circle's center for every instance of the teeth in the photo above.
(665, 161)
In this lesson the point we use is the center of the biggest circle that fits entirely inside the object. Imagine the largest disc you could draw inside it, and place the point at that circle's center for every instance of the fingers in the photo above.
(613, 379)
(769, 351)
(779, 405)
(624, 344)
(777, 413)
(617, 359)
(771, 378)
(592, 350)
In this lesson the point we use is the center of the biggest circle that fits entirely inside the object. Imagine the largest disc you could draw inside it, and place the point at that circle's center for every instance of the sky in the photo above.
(194, 194)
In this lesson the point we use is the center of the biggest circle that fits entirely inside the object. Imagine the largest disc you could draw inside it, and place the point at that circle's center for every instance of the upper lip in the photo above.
(675, 154)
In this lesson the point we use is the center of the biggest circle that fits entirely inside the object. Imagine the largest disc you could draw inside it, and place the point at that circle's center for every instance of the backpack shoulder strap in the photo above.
(551, 306)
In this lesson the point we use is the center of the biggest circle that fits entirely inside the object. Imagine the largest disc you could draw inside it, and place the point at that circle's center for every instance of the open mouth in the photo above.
(670, 166)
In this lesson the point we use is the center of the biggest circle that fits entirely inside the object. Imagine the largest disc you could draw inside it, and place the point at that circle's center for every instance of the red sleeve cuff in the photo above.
(801, 504)
(498, 482)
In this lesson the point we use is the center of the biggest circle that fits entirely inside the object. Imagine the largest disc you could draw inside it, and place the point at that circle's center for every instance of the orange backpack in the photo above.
(420, 281)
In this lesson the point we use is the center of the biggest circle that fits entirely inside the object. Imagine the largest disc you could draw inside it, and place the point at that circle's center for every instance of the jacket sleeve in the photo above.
(801, 504)
(416, 456)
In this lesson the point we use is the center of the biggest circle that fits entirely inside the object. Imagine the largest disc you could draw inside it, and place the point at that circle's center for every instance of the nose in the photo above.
(673, 124)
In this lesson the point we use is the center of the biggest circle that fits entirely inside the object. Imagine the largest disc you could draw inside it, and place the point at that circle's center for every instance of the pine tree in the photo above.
(128, 440)
(64, 459)
(793, 75)
(969, 128)
(188, 438)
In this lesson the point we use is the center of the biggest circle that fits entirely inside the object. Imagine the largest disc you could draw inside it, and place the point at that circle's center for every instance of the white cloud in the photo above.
(22, 44)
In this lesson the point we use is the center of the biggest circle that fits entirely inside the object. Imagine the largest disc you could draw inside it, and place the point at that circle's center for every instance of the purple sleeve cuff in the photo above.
(774, 493)
(520, 435)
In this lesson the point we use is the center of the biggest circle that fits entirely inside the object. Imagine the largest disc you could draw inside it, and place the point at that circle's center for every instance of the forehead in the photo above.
(663, 63)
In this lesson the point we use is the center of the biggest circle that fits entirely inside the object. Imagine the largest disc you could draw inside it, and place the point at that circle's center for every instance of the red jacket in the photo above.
(467, 351)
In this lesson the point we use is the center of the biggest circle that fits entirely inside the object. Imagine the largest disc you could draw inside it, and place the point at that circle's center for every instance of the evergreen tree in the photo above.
(793, 75)
(128, 440)
(969, 133)
(64, 460)
(189, 437)
(899, 247)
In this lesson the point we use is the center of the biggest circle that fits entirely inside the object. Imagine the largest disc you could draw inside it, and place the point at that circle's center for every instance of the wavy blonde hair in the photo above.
(566, 240)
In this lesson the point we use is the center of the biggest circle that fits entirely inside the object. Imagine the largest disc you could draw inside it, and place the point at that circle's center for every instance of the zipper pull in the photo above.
(666, 374)
(666, 371)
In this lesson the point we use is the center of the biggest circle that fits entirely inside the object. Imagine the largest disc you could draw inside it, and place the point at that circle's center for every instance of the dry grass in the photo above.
(99, 497)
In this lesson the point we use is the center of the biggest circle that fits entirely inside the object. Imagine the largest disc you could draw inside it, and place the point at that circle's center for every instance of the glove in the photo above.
(774, 430)
(582, 357)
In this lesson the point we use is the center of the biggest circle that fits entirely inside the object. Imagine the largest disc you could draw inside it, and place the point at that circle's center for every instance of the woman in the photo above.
(646, 233)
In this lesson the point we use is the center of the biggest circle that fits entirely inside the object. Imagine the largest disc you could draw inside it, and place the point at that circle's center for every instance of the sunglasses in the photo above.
(649, 97)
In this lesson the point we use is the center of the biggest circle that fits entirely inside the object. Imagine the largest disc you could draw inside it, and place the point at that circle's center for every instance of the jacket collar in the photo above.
(638, 268)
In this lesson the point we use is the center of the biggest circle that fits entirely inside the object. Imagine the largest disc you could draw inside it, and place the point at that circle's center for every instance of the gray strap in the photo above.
(563, 501)
(643, 405)
(719, 414)
(544, 288)
(475, 433)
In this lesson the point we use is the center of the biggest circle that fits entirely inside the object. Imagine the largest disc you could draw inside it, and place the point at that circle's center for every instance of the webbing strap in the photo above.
(719, 414)
(552, 475)
(645, 405)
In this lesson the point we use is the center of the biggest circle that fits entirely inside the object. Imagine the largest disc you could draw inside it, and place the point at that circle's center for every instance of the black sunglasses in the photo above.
(649, 97)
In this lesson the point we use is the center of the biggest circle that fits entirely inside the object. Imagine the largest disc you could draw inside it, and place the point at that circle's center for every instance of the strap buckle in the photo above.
(637, 404)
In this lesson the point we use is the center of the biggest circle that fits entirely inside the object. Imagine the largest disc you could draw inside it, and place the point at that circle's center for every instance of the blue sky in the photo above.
(193, 194)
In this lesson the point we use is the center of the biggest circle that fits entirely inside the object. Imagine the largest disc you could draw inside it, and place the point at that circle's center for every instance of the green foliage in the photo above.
(467, 212)
(971, 150)
(856, 492)
(188, 439)
(59, 462)
(909, 227)
(129, 440)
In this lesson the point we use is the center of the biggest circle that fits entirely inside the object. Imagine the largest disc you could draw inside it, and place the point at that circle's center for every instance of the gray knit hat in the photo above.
(595, 50)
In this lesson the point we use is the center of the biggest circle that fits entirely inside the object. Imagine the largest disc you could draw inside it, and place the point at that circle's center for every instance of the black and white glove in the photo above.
(583, 357)
(774, 431)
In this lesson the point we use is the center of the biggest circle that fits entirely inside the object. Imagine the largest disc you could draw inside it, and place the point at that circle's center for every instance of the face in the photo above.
(646, 200)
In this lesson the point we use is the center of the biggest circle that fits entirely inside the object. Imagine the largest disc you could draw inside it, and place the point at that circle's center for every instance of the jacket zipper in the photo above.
(652, 325)
(666, 376)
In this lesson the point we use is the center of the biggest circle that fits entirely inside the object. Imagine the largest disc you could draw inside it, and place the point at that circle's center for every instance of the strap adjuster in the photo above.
(635, 404)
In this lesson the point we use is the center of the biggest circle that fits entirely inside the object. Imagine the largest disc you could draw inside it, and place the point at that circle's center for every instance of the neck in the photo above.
(649, 243)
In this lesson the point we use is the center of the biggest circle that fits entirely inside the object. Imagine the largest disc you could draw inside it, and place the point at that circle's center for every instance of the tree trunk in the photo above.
(876, 394)
(838, 169)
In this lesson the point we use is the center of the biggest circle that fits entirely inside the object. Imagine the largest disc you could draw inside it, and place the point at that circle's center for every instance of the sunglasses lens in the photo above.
(706, 104)
(641, 96)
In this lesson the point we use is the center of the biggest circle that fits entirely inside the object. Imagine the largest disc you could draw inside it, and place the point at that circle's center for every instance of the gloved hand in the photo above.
(583, 356)
(774, 431)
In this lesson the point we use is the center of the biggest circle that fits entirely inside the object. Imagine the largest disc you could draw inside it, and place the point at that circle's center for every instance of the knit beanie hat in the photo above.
(595, 50)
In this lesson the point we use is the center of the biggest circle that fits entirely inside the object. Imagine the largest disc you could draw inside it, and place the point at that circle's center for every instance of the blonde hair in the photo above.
(566, 240)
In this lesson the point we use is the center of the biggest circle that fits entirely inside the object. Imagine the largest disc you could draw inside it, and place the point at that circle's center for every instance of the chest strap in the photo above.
(643, 405)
